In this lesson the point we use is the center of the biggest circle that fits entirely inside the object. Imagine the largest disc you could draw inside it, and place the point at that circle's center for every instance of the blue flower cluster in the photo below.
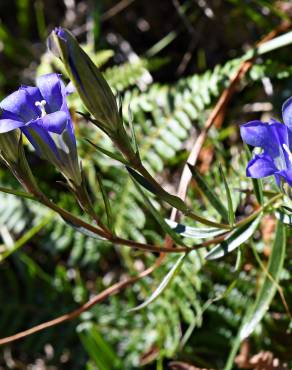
(42, 115)
(275, 139)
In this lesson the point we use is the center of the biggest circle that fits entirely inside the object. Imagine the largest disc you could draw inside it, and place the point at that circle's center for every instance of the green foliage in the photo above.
(197, 313)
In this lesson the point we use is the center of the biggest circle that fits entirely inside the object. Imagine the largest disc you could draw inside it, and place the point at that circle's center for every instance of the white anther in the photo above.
(41, 105)
(287, 150)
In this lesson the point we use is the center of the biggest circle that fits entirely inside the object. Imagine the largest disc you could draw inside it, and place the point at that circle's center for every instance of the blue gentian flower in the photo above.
(42, 114)
(275, 139)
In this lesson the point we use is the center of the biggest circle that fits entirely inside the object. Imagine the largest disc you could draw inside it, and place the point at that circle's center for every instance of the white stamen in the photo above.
(287, 150)
(41, 105)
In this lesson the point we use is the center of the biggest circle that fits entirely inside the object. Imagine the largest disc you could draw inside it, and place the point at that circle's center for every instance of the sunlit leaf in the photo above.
(234, 240)
(284, 217)
(210, 194)
(265, 295)
(163, 285)
(194, 232)
(231, 216)
(83, 230)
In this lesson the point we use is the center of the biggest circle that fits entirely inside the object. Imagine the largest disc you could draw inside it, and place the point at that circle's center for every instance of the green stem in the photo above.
(258, 211)
(176, 201)
(69, 217)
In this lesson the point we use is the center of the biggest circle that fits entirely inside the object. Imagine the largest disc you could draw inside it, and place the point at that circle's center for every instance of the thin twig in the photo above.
(114, 289)
(116, 9)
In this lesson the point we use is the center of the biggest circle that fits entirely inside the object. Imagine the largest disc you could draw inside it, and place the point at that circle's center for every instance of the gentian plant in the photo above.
(41, 114)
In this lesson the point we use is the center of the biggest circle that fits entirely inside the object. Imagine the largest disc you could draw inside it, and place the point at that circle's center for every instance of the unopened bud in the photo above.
(93, 89)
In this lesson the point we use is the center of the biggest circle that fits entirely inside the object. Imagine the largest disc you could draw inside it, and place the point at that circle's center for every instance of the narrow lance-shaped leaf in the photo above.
(157, 190)
(18, 193)
(134, 139)
(173, 200)
(142, 181)
(209, 193)
(231, 216)
(112, 155)
(99, 350)
(284, 216)
(194, 232)
(234, 240)
(256, 312)
(163, 285)
(239, 260)
(82, 230)
(27, 236)
(106, 201)
(165, 227)
(268, 289)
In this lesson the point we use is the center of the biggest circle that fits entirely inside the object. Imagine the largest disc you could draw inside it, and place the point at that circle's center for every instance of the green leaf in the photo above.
(194, 232)
(163, 285)
(112, 155)
(82, 230)
(134, 139)
(18, 193)
(142, 181)
(231, 215)
(98, 349)
(239, 260)
(284, 216)
(234, 240)
(164, 225)
(256, 312)
(27, 236)
(268, 289)
(173, 200)
(209, 193)
(106, 203)
(268, 46)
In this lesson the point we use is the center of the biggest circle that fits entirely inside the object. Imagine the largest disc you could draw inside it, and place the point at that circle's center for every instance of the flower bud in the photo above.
(13, 156)
(93, 89)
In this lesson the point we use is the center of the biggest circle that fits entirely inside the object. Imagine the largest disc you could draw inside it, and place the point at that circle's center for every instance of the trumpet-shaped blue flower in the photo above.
(275, 139)
(42, 114)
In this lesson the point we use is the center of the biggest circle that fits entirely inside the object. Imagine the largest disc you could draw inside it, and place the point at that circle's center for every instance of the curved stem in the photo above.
(116, 288)
(176, 201)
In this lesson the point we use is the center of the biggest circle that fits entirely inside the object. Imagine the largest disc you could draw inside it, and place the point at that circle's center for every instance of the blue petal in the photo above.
(54, 122)
(70, 88)
(60, 33)
(36, 127)
(261, 166)
(19, 103)
(286, 175)
(9, 125)
(9, 121)
(287, 112)
(53, 91)
(70, 130)
(269, 137)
